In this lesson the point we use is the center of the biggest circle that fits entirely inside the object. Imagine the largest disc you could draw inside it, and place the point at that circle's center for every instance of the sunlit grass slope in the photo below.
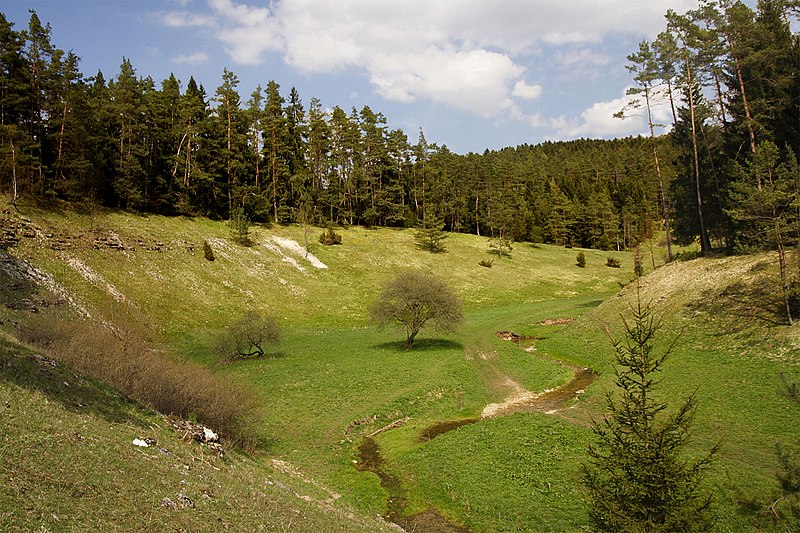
(67, 463)
(521, 472)
(334, 378)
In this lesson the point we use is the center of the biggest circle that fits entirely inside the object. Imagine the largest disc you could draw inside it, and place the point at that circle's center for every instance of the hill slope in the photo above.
(335, 381)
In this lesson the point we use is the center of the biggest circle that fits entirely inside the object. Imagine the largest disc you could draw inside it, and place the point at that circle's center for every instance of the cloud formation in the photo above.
(599, 120)
(467, 54)
(191, 59)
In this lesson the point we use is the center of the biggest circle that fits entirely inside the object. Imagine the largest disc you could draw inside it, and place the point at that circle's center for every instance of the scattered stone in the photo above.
(185, 501)
(168, 503)
(42, 360)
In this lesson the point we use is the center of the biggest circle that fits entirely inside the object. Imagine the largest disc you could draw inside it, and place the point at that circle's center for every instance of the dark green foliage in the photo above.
(580, 259)
(208, 253)
(412, 299)
(638, 267)
(612, 262)
(792, 388)
(500, 246)
(728, 70)
(764, 206)
(637, 476)
(786, 507)
(430, 236)
(249, 336)
(239, 226)
(330, 237)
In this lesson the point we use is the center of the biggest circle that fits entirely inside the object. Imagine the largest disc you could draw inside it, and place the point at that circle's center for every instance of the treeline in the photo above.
(730, 74)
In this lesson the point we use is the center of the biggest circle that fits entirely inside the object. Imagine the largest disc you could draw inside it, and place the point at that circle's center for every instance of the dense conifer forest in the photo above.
(725, 175)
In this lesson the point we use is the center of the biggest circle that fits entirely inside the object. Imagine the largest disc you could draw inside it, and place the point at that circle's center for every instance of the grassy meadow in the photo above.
(334, 380)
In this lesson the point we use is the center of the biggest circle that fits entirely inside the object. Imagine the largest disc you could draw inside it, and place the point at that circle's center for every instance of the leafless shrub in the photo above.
(249, 336)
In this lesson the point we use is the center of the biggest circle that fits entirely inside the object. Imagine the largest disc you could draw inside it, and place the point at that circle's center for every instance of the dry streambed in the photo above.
(520, 400)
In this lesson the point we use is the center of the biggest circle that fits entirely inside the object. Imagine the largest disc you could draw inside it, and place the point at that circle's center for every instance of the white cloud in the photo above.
(599, 120)
(526, 92)
(582, 57)
(191, 59)
(467, 54)
(247, 31)
(181, 19)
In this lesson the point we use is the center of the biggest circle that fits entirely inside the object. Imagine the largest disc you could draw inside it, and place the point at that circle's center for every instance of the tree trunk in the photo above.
(13, 174)
(705, 243)
(661, 193)
(410, 339)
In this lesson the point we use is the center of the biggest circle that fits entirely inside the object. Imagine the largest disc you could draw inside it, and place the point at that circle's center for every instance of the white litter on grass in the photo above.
(295, 249)
(140, 443)
(209, 435)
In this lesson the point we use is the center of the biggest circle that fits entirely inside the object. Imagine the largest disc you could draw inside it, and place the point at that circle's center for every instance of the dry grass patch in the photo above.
(125, 360)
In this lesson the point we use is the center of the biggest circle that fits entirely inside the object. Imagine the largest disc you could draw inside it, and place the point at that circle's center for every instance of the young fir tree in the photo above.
(430, 236)
(637, 478)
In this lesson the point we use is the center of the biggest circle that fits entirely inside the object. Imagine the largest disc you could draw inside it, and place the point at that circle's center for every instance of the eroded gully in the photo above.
(551, 402)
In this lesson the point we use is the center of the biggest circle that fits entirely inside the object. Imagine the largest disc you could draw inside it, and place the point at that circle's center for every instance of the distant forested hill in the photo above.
(729, 72)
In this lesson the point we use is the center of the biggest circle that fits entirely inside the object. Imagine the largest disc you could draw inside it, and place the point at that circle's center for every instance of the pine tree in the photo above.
(430, 236)
(763, 204)
(636, 477)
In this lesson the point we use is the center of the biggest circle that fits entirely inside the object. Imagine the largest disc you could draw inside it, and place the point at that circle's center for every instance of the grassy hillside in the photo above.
(68, 463)
(334, 380)
(508, 473)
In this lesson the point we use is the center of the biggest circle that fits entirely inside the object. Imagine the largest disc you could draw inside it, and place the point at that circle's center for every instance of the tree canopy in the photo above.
(727, 71)
(414, 299)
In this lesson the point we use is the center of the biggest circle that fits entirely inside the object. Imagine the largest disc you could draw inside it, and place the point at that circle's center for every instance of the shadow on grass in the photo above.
(76, 393)
(421, 345)
(589, 305)
(744, 304)
(244, 359)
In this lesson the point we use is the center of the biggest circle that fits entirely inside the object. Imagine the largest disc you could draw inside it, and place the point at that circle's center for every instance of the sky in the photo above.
(473, 74)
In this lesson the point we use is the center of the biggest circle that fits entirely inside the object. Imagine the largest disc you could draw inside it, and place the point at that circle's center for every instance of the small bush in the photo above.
(791, 388)
(207, 251)
(239, 226)
(486, 263)
(330, 237)
(248, 336)
(580, 259)
(612, 262)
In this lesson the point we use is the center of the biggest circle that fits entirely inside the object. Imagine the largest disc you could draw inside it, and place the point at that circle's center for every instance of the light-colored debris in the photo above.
(519, 395)
(22, 270)
(285, 258)
(294, 248)
(93, 277)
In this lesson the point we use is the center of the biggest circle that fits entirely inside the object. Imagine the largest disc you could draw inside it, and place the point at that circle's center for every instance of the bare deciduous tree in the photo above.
(248, 336)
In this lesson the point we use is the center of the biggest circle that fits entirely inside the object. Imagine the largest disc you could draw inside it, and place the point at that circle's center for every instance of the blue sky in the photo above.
(474, 74)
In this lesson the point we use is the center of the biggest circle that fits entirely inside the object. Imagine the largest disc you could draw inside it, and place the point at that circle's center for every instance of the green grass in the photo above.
(67, 463)
(334, 379)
